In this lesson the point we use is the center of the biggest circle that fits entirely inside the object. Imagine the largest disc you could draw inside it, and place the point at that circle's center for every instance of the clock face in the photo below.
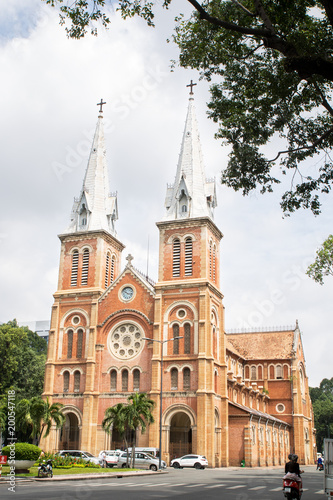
(127, 293)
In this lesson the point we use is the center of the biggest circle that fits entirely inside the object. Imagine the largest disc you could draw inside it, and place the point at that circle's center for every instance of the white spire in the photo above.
(95, 208)
(191, 195)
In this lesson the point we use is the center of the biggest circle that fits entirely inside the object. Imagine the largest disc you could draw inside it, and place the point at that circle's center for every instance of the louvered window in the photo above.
(66, 381)
(136, 380)
(279, 371)
(124, 380)
(85, 267)
(113, 261)
(69, 343)
(176, 258)
(187, 338)
(75, 265)
(113, 381)
(186, 379)
(214, 262)
(175, 329)
(253, 373)
(79, 344)
(210, 259)
(77, 379)
(188, 256)
(174, 379)
(107, 270)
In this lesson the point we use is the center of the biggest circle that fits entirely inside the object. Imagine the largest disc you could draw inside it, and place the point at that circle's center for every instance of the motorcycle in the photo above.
(292, 489)
(45, 469)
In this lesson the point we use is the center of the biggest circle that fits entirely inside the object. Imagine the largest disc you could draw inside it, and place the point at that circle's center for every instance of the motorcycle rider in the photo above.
(292, 470)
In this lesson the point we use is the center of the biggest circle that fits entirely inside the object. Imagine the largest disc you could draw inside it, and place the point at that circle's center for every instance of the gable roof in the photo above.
(263, 345)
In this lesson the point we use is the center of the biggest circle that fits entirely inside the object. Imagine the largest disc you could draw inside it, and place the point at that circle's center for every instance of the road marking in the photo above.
(195, 485)
(320, 492)
(236, 487)
(153, 484)
(258, 488)
(276, 489)
(215, 486)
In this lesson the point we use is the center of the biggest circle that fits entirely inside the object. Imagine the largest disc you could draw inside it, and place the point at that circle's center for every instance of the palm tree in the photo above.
(138, 414)
(44, 415)
(115, 418)
(34, 416)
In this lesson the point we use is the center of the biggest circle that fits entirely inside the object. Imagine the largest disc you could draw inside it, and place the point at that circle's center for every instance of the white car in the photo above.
(196, 461)
(111, 457)
(84, 455)
(142, 461)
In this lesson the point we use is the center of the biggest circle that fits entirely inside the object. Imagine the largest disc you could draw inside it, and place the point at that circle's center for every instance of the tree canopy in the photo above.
(272, 67)
(22, 361)
(323, 264)
(322, 401)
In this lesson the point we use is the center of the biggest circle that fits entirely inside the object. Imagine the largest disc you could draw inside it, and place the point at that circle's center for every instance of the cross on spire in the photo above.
(129, 259)
(191, 85)
(100, 104)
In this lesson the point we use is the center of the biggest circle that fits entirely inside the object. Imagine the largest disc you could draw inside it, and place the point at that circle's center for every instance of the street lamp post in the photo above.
(162, 342)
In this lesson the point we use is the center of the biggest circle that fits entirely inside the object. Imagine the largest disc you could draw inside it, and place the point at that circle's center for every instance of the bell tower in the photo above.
(89, 263)
(188, 304)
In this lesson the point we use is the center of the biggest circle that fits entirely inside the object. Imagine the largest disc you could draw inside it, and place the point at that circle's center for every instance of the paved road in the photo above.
(209, 484)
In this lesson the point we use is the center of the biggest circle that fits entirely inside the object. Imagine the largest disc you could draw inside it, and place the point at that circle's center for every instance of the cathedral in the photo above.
(237, 398)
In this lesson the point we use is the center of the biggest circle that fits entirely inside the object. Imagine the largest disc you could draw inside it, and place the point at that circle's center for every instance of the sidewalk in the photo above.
(81, 477)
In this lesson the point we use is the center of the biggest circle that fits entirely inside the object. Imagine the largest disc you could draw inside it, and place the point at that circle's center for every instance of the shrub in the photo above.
(23, 451)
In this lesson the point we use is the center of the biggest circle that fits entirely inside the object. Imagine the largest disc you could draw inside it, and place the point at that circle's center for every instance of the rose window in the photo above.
(126, 341)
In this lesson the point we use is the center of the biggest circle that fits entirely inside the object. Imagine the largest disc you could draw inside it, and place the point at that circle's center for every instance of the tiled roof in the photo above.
(258, 413)
(263, 345)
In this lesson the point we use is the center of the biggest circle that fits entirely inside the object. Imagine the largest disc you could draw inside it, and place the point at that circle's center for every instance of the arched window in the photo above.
(124, 380)
(85, 267)
(186, 379)
(107, 270)
(69, 343)
(215, 382)
(136, 380)
(247, 372)
(113, 261)
(187, 338)
(175, 329)
(66, 381)
(253, 373)
(176, 258)
(184, 208)
(188, 256)
(75, 265)
(174, 379)
(271, 372)
(79, 343)
(77, 379)
(279, 373)
(260, 373)
(113, 381)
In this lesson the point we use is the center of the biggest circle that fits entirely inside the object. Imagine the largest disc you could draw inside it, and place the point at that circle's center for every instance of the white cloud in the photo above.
(49, 91)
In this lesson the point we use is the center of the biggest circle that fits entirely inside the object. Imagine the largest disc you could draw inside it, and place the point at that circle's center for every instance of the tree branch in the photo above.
(311, 146)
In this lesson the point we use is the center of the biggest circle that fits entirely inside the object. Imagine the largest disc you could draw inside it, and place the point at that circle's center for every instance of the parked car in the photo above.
(84, 455)
(111, 457)
(196, 461)
(142, 461)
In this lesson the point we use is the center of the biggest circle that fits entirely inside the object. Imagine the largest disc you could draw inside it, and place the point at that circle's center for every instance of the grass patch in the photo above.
(33, 471)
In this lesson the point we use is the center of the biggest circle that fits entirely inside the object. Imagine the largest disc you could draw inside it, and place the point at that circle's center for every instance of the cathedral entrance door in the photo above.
(180, 435)
(70, 433)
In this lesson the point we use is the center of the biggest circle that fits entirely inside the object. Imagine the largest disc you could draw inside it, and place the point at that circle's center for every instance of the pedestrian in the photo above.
(104, 460)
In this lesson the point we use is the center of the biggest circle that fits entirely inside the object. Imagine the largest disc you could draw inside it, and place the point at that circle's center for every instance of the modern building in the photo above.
(41, 327)
(231, 397)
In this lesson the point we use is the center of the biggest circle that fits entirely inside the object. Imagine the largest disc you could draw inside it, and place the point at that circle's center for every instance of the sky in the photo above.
(49, 89)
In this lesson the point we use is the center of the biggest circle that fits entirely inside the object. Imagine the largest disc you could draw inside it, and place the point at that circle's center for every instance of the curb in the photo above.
(83, 477)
